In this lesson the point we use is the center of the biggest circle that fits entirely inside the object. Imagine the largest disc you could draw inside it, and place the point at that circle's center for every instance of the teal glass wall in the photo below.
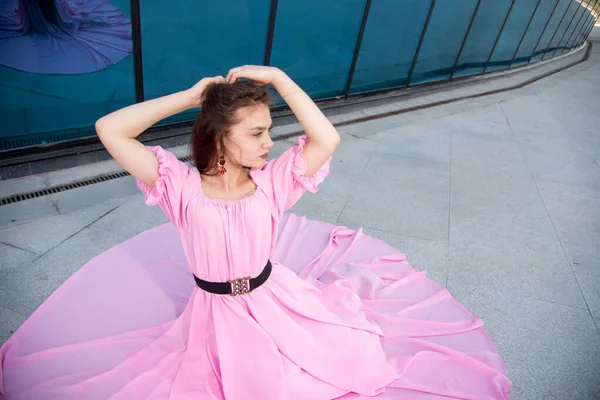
(390, 40)
(573, 37)
(562, 43)
(514, 29)
(56, 81)
(445, 34)
(536, 27)
(59, 98)
(484, 32)
(189, 40)
(314, 41)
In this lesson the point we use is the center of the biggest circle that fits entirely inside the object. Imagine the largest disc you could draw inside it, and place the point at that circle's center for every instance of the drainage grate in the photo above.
(69, 186)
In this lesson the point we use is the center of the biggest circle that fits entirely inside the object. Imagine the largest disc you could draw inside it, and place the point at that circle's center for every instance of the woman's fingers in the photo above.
(258, 74)
(214, 79)
(232, 75)
(200, 88)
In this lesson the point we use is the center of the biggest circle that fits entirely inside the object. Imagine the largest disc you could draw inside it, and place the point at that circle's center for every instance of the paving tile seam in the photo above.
(54, 204)
(587, 274)
(567, 305)
(357, 181)
(585, 103)
(29, 221)
(405, 236)
(15, 311)
(560, 241)
(567, 130)
(17, 247)
(574, 186)
(586, 302)
(517, 230)
(74, 234)
(402, 235)
(419, 158)
(449, 207)
(525, 295)
(359, 137)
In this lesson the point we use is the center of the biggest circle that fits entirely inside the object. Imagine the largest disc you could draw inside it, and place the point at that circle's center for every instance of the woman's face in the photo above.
(248, 143)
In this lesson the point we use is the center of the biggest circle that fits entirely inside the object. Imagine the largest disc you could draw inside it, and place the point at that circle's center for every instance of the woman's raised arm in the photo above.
(118, 130)
(323, 138)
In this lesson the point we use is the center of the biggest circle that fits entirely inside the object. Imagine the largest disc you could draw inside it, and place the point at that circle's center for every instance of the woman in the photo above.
(278, 307)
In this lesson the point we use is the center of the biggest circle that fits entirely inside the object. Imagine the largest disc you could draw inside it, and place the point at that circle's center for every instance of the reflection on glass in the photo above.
(389, 43)
(556, 19)
(63, 37)
(512, 34)
(314, 43)
(63, 64)
(446, 32)
(595, 19)
(485, 29)
(562, 43)
(589, 22)
(574, 36)
(534, 31)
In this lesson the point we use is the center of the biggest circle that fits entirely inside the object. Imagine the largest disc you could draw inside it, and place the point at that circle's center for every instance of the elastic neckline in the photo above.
(227, 201)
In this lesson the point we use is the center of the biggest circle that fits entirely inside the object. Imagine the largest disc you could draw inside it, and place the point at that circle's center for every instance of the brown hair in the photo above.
(218, 113)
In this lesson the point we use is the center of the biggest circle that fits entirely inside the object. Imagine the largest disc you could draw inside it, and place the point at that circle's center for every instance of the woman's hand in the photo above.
(256, 73)
(196, 92)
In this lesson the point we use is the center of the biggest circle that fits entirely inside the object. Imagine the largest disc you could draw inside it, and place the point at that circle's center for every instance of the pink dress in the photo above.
(343, 315)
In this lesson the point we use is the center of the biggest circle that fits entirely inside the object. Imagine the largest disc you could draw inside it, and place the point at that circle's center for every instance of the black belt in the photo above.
(235, 287)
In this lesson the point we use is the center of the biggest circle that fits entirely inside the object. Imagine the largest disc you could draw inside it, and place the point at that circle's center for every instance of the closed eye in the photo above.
(261, 132)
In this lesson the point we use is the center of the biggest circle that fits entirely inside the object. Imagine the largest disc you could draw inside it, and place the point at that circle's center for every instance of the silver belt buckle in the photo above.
(240, 286)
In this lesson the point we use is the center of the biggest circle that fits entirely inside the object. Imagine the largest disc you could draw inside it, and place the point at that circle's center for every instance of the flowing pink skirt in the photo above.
(343, 315)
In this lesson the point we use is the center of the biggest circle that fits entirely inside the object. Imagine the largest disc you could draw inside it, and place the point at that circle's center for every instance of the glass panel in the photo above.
(59, 95)
(511, 34)
(595, 19)
(560, 11)
(562, 45)
(389, 43)
(186, 41)
(574, 36)
(314, 43)
(533, 33)
(446, 32)
(481, 39)
(573, 8)
(589, 21)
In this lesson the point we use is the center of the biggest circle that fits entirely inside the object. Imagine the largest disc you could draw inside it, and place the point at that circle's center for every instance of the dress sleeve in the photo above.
(172, 188)
(283, 177)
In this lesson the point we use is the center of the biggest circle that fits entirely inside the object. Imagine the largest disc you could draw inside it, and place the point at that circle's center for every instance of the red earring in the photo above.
(221, 166)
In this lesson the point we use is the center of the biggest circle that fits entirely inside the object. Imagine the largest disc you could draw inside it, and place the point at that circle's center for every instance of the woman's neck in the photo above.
(229, 181)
